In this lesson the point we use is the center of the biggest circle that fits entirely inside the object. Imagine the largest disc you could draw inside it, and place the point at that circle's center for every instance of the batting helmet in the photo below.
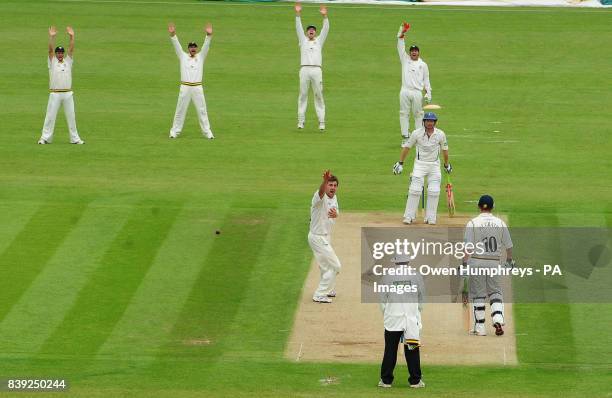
(430, 116)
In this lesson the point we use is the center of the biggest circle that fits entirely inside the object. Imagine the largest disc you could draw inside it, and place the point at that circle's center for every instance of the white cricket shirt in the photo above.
(490, 230)
(60, 73)
(402, 311)
(192, 68)
(427, 147)
(415, 74)
(320, 223)
(311, 50)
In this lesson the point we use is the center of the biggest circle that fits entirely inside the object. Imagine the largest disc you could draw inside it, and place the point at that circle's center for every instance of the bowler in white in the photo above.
(323, 213)
(311, 62)
(60, 89)
(192, 71)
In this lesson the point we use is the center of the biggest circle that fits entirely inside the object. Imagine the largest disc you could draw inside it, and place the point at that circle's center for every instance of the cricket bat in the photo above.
(450, 197)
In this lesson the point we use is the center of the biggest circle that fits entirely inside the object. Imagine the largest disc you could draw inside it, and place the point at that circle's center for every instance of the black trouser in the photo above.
(413, 359)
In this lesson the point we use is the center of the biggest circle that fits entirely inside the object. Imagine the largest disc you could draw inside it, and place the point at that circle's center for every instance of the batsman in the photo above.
(430, 142)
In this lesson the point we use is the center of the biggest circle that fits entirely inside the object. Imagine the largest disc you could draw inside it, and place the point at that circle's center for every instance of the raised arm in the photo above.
(325, 29)
(52, 34)
(401, 47)
(70, 32)
(175, 43)
(206, 46)
(299, 29)
(326, 175)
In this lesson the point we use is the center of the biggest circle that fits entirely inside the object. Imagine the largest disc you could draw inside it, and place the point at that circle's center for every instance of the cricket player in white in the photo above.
(323, 212)
(429, 141)
(311, 61)
(60, 89)
(192, 70)
(402, 320)
(493, 232)
(415, 79)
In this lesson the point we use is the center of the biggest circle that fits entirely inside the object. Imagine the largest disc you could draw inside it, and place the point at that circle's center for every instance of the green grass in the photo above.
(110, 271)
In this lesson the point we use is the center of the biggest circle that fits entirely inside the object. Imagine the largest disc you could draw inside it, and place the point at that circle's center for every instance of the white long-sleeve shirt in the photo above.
(192, 68)
(311, 50)
(320, 223)
(415, 74)
(60, 73)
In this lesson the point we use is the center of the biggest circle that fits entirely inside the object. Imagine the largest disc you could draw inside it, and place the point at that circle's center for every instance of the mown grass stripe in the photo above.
(220, 287)
(155, 307)
(51, 295)
(13, 217)
(101, 302)
(268, 323)
(23, 259)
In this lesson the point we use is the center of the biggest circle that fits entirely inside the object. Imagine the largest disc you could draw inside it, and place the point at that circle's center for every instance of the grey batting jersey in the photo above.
(427, 147)
(492, 233)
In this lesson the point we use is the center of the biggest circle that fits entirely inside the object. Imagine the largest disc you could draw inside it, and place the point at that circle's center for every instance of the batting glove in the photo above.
(510, 263)
(448, 168)
(428, 97)
(398, 168)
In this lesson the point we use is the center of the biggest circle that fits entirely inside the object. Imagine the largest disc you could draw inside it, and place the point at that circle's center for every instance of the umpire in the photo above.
(402, 319)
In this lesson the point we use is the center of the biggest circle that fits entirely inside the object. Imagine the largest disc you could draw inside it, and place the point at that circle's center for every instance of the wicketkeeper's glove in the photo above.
(402, 30)
(448, 168)
(398, 168)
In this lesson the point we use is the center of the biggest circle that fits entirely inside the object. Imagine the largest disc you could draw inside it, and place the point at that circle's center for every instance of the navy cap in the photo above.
(311, 27)
(59, 49)
(191, 44)
(485, 202)
(414, 47)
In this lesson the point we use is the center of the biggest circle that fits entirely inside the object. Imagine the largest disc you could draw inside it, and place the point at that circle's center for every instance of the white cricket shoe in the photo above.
(209, 135)
(300, 125)
(322, 126)
(479, 330)
(331, 294)
(174, 135)
(79, 142)
(42, 142)
(407, 220)
(420, 384)
(383, 384)
(322, 299)
(430, 222)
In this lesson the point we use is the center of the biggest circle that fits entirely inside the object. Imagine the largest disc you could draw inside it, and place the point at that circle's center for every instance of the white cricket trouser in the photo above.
(421, 169)
(482, 286)
(311, 75)
(186, 95)
(55, 101)
(328, 262)
(410, 101)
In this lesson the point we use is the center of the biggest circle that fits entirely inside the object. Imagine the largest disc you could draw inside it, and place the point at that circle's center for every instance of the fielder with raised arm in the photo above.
(493, 232)
(323, 213)
(430, 142)
(415, 79)
(192, 70)
(60, 89)
(311, 62)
